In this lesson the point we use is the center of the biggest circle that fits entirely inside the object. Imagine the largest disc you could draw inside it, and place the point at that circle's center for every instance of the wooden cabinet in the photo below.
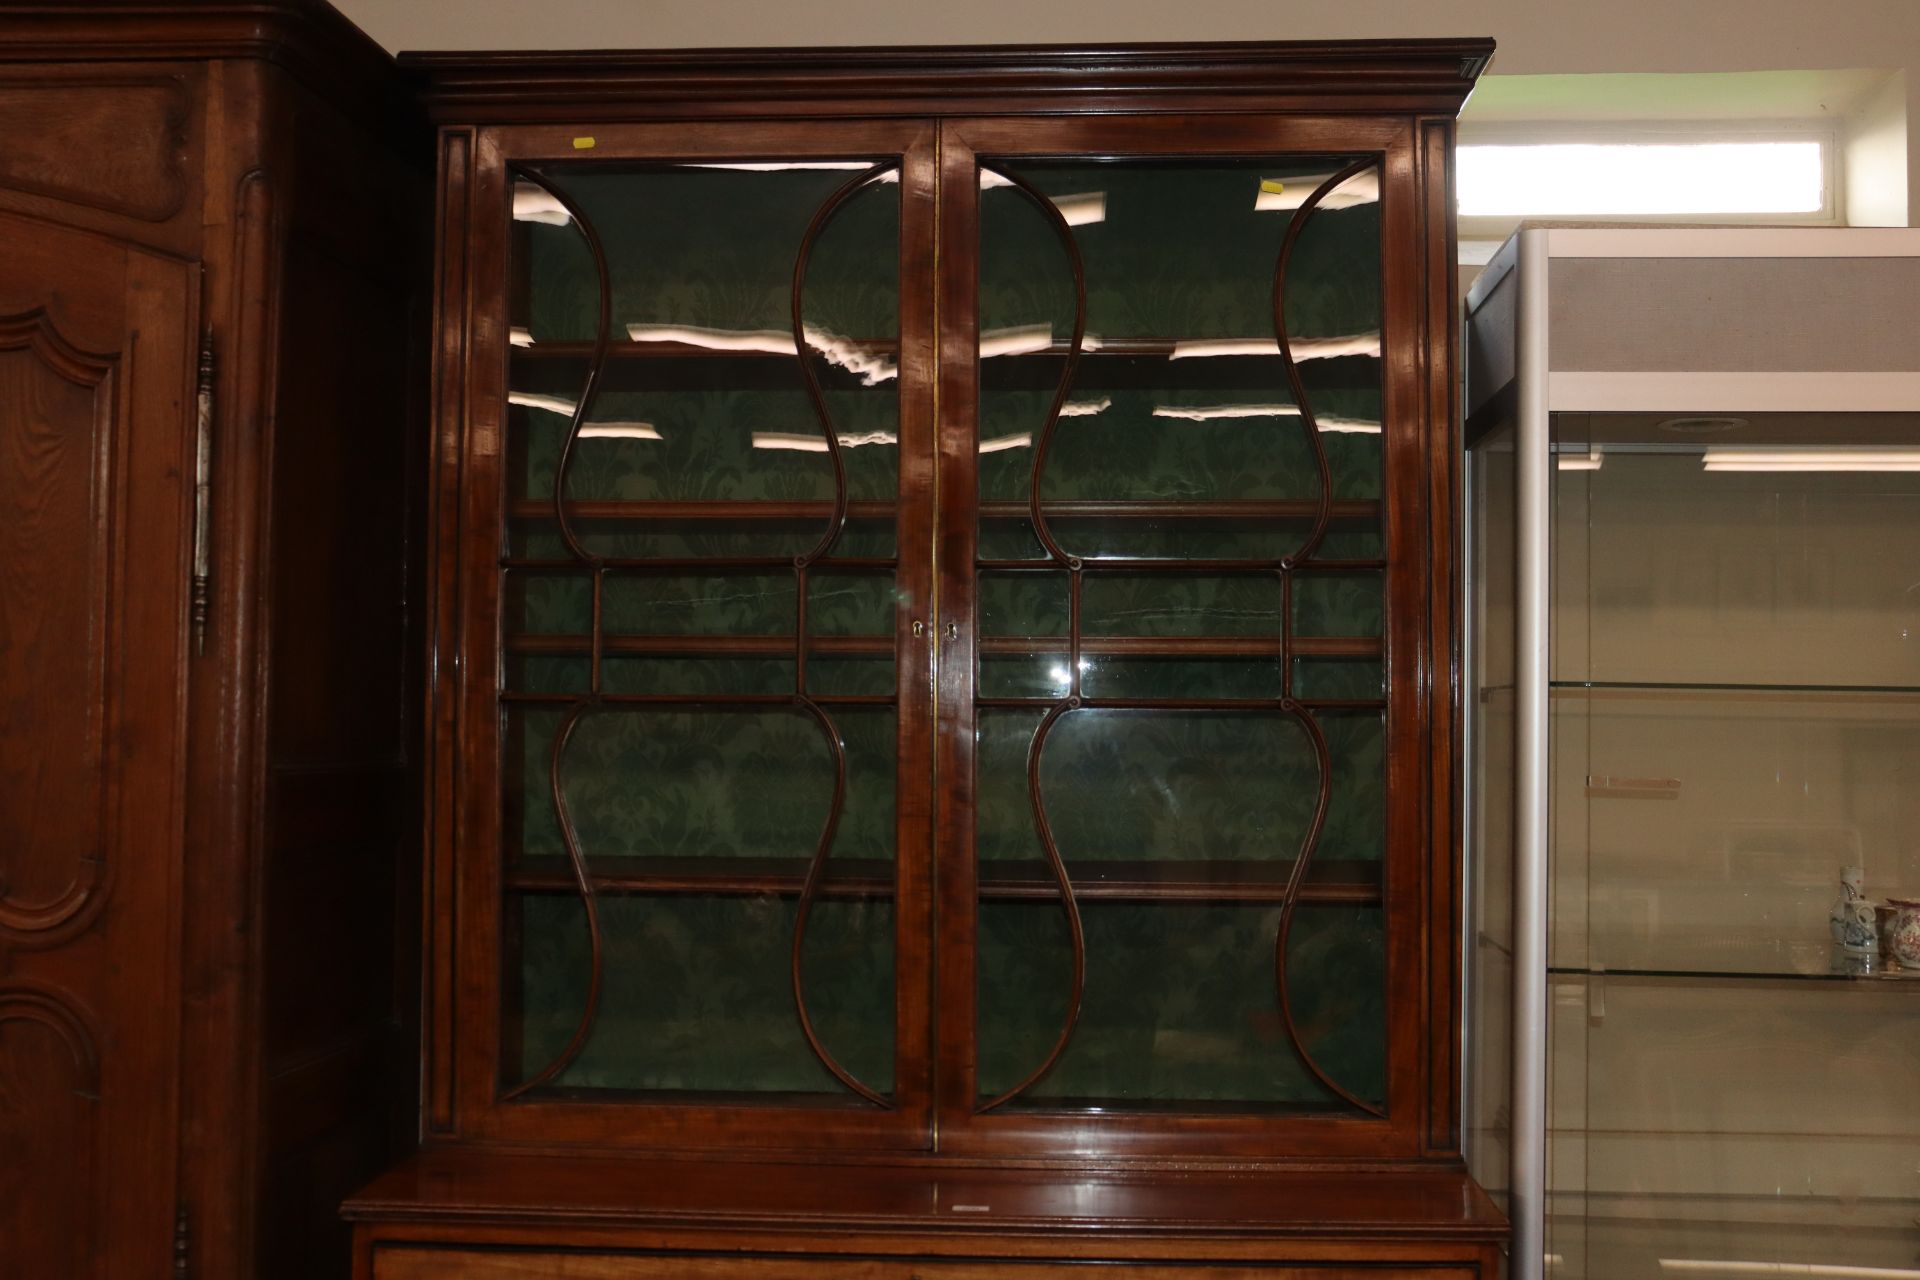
(915, 633)
(433, 1264)
(207, 301)
(942, 576)
(97, 372)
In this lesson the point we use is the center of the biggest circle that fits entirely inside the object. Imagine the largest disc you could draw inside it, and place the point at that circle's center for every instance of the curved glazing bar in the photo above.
(1076, 931)
(1056, 865)
(802, 345)
(596, 363)
(816, 865)
(1044, 441)
(1302, 711)
(1295, 383)
(583, 884)
(576, 859)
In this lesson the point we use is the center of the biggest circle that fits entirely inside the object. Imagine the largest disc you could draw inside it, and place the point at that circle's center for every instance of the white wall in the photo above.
(1880, 155)
(1536, 36)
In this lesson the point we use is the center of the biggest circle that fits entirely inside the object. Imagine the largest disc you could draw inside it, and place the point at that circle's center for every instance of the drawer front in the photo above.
(414, 1263)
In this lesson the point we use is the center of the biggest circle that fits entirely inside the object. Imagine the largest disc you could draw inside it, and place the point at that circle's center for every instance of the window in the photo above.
(1640, 172)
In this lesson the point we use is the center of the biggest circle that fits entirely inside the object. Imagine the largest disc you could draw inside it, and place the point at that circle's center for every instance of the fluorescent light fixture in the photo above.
(1079, 210)
(1579, 461)
(770, 341)
(1020, 340)
(1357, 344)
(1086, 408)
(802, 443)
(782, 166)
(1347, 426)
(1279, 195)
(872, 366)
(1024, 440)
(1572, 179)
(1215, 413)
(520, 336)
(588, 431)
(551, 404)
(534, 203)
(1083, 209)
(1835, 1271)
(1812, 460)
(619, 431)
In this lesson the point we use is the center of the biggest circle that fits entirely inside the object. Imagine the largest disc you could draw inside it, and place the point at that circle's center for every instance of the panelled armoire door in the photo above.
(97, 383)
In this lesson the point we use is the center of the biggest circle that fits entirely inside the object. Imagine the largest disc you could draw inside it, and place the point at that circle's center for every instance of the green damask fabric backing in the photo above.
(1180, 1004)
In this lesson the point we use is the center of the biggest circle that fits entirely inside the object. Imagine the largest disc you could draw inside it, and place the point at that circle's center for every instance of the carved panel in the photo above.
(57, 406)
(112, 144)
(49, 1118)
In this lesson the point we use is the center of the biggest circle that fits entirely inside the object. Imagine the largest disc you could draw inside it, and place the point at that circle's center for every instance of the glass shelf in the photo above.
(1789, 690)
(1732, 1238)
(1732, 959)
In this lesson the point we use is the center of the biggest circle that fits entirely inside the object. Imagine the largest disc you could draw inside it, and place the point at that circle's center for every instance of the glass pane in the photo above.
(1736, 720)
(1176, 781)
(697, 995)
(1180, 1005)
(696, 654)
(1488, 946)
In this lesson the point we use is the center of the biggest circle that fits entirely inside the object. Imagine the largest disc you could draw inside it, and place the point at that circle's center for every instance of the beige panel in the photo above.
(1773, 315)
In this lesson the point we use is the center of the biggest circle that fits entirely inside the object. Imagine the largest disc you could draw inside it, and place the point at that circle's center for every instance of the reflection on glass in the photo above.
(1736, 716)
(697, 618)
(1489, 934)
(1226, 874)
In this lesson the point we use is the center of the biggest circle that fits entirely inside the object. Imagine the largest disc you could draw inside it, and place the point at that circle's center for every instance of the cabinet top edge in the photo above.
(309, 38)
(1397, 76)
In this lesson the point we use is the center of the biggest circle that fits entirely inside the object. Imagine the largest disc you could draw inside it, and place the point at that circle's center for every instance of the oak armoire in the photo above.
(214, 221)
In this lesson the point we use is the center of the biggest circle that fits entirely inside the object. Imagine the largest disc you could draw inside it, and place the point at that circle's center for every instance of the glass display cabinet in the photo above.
(1693, 475)
(940, 655)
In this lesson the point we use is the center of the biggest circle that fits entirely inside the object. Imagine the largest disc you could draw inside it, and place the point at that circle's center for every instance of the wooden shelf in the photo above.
(1108, 880)
(869, 509)
(750, 509)
(1343, 647)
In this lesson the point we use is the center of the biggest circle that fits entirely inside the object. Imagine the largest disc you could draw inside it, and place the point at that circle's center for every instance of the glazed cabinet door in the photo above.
(96, 376)
(696, 521)
(1183, 479)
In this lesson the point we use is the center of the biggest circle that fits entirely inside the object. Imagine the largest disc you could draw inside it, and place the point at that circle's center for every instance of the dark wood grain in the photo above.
(875, 1186)
(229, 954)
(116, 143)
(96, 363)
(947, 1219)
(1367, 75)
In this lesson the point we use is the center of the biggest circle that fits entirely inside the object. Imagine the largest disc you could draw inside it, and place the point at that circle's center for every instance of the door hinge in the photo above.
(201, 597)
(182, 1241)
